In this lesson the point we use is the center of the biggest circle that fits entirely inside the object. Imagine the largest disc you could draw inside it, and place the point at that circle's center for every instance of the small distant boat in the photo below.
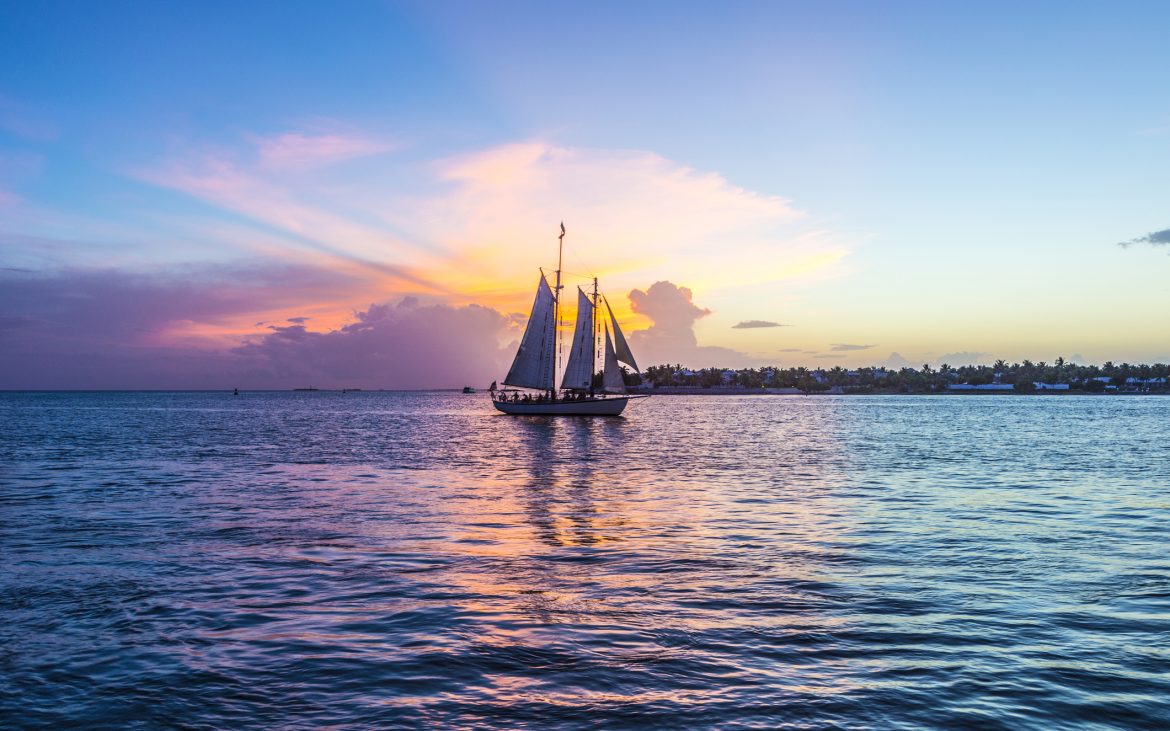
(468, 389)
(535, 365)
(310, 388)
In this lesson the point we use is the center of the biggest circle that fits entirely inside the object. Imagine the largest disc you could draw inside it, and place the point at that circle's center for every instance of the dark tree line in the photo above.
(1023, 375)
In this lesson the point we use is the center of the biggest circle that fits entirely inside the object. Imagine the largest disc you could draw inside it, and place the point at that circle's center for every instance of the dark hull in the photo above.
(591, 407)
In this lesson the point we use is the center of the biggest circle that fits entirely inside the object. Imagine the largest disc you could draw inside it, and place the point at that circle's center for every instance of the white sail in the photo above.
(533, 366)
(579, 370)
(623, 349)
(611, 378)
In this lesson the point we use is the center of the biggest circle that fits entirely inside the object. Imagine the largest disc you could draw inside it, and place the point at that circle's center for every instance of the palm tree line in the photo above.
(1023, 376)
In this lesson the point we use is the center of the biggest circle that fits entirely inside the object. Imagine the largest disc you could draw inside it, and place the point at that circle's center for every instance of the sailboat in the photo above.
(535, 365)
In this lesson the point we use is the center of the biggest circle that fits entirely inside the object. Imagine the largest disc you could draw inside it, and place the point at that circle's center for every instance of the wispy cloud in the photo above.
(841, 347)
(473, 227)
(304, 215)
(1154, 238)
(25, 122)
(301, 151)
(632, 212)
(753, 324)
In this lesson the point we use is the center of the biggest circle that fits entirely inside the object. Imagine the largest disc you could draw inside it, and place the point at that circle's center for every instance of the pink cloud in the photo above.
(298, 150)
(24, 122)
(474, 227)
(631, 214)
(108, 329)
(407, 345)
(307, 222)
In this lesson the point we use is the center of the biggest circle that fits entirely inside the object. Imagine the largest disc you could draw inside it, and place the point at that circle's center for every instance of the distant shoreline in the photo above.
(662, 391)
(675, 391)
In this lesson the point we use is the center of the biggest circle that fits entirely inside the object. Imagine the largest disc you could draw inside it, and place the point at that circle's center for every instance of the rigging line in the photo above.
(577, 260)
(580, 274)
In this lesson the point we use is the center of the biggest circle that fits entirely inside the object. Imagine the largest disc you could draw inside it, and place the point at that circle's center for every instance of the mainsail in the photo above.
(533, 366)
(579, 370)
(623, 349)
(611, 378)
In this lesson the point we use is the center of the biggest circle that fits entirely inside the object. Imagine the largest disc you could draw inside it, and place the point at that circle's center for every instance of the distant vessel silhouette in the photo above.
(535, 365)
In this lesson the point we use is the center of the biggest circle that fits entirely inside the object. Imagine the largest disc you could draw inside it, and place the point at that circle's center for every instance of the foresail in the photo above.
(579, 370)
(611, 378)
(623, 348)
(533, 366)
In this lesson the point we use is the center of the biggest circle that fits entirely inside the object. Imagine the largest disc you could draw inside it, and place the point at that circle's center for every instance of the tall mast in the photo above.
(596, 329)
(557, 304)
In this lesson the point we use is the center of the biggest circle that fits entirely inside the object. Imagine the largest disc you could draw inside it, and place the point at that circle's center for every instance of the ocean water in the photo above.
(414, 560)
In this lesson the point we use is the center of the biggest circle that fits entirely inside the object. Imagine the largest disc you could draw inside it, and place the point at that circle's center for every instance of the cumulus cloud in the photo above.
(670, 307)
(1154, 238)
(671, 339)
(841, 347)
(897, 362)
(753, 324)
(109, 329)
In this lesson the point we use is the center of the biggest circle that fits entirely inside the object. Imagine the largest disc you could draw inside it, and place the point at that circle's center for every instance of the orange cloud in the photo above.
(474, 228)
(632, 216)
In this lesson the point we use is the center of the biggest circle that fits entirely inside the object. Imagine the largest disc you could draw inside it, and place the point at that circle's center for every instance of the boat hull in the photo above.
(592, 407)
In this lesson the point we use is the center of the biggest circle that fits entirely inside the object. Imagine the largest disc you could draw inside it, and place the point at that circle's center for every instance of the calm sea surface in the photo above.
(404, 560)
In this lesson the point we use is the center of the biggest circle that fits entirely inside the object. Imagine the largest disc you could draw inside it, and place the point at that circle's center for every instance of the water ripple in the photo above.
(414, 560)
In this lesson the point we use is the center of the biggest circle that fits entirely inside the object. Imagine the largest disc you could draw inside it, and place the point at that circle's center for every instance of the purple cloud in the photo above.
(753, 324)
(842, 347)
(110, 330)
(1154, 238)
(407, 345)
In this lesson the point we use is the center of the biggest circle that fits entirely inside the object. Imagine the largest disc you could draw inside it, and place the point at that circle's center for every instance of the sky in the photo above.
(270, 195)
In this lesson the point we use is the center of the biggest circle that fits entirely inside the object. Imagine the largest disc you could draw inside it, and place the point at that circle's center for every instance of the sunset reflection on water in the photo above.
(418, 559)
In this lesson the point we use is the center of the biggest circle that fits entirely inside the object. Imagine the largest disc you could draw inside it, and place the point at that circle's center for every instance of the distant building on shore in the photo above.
(982, 387)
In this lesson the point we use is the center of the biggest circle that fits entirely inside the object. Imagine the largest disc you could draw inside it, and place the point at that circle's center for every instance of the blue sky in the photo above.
(925, 178)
